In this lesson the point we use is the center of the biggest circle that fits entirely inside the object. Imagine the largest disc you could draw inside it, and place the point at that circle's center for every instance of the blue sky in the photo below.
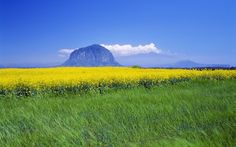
(33, 31)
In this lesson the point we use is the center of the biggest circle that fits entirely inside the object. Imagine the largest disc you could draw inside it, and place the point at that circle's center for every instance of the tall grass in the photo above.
(190, 113)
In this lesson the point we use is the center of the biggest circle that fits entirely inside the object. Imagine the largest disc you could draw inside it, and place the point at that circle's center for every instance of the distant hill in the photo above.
(94, 55)
(192, 64)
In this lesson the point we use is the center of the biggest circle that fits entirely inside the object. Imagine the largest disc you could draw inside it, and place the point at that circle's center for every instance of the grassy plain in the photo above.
(189, 113)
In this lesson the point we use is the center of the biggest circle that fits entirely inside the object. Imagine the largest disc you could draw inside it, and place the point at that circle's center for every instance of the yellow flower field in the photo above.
(41, 78)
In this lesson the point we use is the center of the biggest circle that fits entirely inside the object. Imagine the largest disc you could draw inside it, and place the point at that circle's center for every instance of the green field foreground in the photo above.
(190, 113)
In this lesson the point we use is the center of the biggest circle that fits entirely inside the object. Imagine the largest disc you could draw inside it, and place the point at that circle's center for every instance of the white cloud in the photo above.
(66, 52)
(119, 50)
(127, 49)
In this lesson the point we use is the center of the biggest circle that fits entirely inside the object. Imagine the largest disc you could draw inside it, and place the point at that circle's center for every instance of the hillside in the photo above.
(94, 55)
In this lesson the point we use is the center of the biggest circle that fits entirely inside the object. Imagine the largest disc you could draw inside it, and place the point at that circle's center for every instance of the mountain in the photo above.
(192, 64)
(94, 55)
(185, 64)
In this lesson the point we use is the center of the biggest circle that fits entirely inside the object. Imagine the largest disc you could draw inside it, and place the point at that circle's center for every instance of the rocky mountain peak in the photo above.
(93, 55)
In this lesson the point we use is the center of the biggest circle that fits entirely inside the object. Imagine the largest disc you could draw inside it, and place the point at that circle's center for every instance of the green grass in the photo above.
(191, 113)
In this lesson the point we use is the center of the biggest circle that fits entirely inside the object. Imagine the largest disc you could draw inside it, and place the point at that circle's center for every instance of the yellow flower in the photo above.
(41, 78)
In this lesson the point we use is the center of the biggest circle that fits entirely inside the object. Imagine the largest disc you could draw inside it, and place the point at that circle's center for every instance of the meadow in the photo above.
(117, 107)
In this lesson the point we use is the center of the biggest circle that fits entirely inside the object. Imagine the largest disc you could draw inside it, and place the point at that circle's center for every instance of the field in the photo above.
(28, 82)
(117, 107)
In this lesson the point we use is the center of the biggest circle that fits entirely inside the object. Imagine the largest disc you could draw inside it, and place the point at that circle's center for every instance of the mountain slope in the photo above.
(192, 64)
(94, 55)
